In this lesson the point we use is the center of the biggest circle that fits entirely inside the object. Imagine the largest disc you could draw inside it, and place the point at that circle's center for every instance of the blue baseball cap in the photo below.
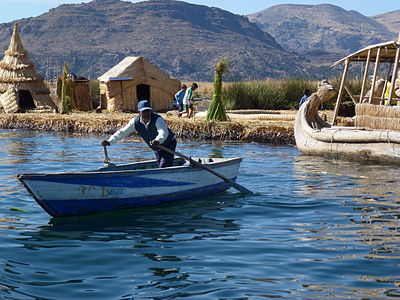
(144, 105)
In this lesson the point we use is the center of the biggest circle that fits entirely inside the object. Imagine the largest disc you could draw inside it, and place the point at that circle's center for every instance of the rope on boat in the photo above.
(393, 144)
(332, 139)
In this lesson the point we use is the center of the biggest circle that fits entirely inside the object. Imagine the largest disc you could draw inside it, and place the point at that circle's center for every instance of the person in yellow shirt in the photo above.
(387, 92)
(397, 85)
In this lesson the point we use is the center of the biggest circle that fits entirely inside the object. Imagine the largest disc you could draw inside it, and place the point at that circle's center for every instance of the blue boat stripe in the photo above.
(60, 208)
(118, 181)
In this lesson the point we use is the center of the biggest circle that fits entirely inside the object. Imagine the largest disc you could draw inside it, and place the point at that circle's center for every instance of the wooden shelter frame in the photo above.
(388, 52)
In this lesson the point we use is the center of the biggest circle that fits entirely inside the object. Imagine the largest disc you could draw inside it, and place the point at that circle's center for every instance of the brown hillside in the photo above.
(325, 27)
(391, 20)
(183, 39)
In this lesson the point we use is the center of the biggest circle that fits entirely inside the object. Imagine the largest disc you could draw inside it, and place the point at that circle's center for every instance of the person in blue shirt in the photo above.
(153, 129)
(179, 97)
(303, 99)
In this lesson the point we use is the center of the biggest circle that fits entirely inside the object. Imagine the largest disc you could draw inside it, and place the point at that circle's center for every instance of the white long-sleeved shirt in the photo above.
(187, 99)
(129, 129)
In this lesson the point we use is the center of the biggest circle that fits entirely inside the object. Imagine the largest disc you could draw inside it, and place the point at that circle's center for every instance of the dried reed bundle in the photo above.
(378, 117)
(372, 122)
(378, 111)
(8, 101)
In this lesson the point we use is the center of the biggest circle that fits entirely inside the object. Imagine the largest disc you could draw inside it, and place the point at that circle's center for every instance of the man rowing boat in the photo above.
(153, 129)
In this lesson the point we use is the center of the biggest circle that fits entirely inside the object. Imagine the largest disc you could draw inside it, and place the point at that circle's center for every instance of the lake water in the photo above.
(316, 228)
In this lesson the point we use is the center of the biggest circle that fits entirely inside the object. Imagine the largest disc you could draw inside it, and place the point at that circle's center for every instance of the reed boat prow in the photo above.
(375, 136)
(376, 131)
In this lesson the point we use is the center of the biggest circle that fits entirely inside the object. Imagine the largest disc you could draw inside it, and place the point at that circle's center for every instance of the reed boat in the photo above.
(115, 187)
(376, 131)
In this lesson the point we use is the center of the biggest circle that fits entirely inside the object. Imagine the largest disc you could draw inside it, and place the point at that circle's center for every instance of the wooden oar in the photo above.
(233, 184)
(106, 159)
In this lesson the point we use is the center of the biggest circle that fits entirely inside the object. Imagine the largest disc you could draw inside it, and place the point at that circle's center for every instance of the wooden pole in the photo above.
(233, 184)
(340, 94)
(351, 95)
(378, 56)
(396, 65)
(365, 78)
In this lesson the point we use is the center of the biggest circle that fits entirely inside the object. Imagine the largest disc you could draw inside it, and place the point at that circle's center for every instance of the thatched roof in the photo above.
(17, 72)
(388, 53)
(136, 68)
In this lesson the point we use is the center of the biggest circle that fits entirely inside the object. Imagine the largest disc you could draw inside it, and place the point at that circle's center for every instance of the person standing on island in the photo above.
(179, 98)
(393, 101)
(306, 94)
(187, 101)
(397, 85)
(152, 129)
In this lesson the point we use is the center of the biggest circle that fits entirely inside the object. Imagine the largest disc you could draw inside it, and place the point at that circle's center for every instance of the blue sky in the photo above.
(11, 10)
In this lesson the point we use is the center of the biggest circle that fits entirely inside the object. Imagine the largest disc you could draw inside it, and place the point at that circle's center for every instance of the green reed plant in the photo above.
(266, 94)
(66, 103)
(216, 111)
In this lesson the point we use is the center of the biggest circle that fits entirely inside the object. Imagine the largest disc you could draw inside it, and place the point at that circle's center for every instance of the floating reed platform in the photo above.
(263, 131)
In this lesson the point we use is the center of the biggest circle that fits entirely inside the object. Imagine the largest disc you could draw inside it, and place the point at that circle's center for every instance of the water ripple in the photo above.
(315, 229)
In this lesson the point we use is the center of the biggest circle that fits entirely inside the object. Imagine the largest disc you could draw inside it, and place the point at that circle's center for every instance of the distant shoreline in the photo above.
(246, 130)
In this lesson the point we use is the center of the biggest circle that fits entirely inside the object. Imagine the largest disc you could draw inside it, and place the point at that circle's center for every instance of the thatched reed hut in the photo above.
(135, 79)
(21, 86)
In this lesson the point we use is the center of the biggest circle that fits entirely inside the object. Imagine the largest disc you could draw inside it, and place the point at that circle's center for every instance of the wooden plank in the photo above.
(396, 65)
(340, 94)
(351, 95)
(365, 74)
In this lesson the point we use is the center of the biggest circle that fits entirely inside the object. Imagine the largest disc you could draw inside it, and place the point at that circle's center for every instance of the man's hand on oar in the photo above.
(154, 143)
(106, 158)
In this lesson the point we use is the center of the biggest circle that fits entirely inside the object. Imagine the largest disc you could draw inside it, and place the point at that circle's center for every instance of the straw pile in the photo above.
(105, 124)
(378, 117)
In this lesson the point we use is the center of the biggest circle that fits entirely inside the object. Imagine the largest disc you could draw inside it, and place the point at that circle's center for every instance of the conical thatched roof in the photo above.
(18, 73)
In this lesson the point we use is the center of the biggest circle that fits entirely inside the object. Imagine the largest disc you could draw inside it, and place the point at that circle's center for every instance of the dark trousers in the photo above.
(164, 158)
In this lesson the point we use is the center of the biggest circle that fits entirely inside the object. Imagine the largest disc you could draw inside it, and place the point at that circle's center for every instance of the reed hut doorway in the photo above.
(143, 92)
(25, 100)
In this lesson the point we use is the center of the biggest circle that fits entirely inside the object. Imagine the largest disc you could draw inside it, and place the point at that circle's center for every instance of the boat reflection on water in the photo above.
(365, 183)
(367, 229)
(151, 223)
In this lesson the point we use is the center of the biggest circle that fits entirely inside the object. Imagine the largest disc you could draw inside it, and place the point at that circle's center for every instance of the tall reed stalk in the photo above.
(216, 111)
(66, 102)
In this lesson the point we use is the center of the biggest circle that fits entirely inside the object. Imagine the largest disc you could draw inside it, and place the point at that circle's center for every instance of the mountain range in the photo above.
(326, 27)
(186, 40)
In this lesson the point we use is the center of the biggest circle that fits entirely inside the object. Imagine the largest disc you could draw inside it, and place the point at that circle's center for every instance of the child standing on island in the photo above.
(187, 101)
